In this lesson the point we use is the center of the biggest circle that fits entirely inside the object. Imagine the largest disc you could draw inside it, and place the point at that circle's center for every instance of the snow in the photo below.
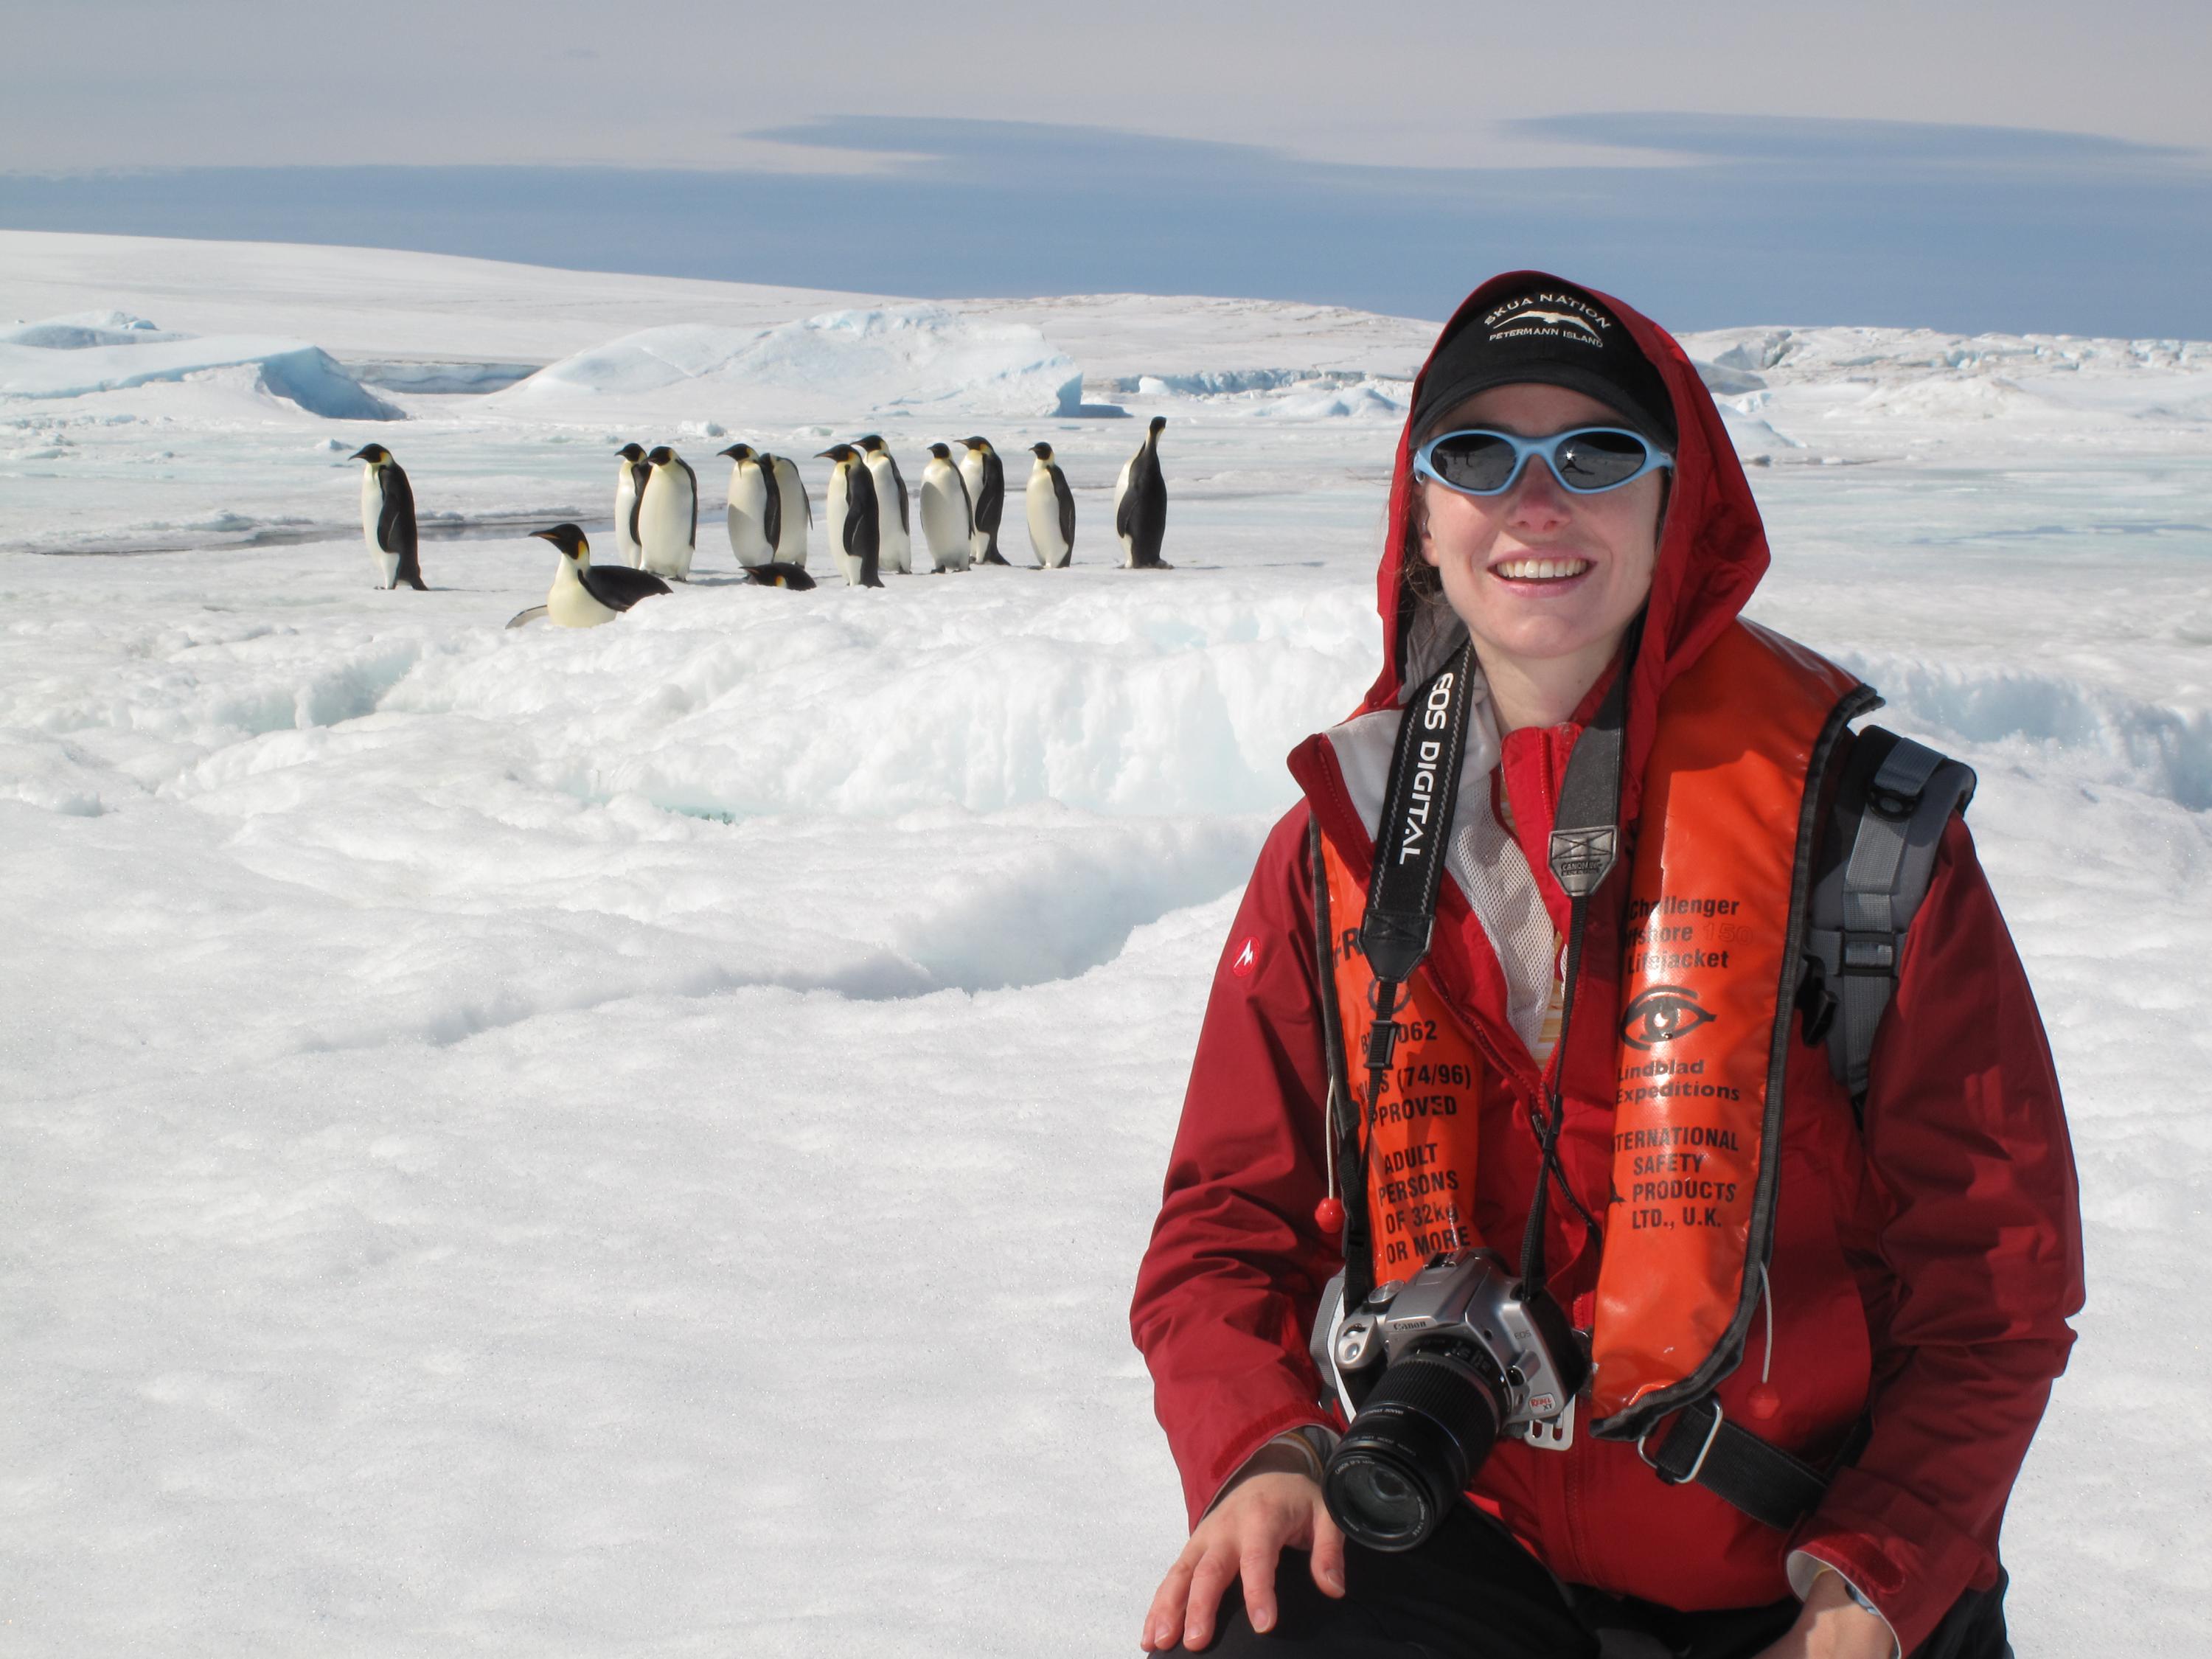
(868, 362)
(638, 1139)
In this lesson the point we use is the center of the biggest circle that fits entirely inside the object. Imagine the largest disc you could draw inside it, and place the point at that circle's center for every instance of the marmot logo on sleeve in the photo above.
(1247, 957)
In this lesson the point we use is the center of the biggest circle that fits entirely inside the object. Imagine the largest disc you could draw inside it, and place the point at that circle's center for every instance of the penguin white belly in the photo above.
(1042, 503)
(664, 525)
(791, 543)
(626, 547)
(1121, 494)
(945, 518)
(894, 546)
(971, 474)
(372, 508)
(748, 515)
(568, 604)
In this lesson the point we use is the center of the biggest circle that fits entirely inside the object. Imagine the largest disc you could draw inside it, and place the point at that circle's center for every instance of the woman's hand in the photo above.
(1833, 1626)
(1262, 1516)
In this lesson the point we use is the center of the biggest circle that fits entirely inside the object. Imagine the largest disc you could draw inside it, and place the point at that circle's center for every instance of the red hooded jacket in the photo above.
(1924, 1264)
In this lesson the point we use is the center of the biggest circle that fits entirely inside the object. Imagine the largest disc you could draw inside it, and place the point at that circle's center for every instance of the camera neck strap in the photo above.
(1418, 809)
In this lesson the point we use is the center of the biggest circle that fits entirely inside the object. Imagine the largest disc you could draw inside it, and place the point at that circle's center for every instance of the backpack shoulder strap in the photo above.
(1892, 800)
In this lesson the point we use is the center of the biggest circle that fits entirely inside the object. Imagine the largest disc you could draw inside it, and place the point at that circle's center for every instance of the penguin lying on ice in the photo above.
(584, 595)
(387, 519)
(792, 576)
(1051, 511)
(1140, 504)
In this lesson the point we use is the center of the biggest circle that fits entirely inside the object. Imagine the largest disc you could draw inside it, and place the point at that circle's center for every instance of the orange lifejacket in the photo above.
(1715, 913)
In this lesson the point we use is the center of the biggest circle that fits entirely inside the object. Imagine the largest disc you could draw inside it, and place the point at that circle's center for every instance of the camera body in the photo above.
(1431, 1370)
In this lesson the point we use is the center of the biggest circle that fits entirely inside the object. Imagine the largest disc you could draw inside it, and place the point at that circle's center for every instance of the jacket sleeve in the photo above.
(1230, 1283)
(1980, 1233)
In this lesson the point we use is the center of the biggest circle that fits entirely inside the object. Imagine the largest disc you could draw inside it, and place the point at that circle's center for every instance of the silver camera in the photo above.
(1431, 1370)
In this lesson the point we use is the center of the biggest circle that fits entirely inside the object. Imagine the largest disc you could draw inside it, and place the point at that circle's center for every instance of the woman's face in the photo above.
(1541, 576)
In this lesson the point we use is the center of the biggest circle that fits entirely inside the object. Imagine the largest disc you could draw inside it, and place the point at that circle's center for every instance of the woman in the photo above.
(1877, 1287)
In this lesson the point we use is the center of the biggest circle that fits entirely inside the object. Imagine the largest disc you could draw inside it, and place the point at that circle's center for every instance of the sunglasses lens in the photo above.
(1598, 460)
(1479, 463)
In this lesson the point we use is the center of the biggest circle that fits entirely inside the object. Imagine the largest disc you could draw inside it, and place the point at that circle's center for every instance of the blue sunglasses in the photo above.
(1588, 460)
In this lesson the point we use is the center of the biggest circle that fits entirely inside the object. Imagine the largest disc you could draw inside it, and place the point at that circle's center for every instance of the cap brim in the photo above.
(1573, 376)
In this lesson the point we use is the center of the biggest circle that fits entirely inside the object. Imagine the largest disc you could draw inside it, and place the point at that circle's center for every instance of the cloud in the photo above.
(1780, 220)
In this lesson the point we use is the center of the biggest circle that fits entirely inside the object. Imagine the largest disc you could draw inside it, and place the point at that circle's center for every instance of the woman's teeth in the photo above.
(1526, 570)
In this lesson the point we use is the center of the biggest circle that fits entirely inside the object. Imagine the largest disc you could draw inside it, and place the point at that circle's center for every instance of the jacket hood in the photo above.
(1712, 549)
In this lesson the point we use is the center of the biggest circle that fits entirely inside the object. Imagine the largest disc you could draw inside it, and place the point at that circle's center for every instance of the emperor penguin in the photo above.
(854, 521)
(668, 515)
(897, 538)
(791, 576)
(985, 475)
(387, 519)
(947, 519)
(796, 511)
(583, 595)
(1140, 504)
(1051, 511)
(755, 508)
(629, 484)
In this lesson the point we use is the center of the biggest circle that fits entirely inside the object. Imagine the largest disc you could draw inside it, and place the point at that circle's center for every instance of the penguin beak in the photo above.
(361, 454)
(731, 451)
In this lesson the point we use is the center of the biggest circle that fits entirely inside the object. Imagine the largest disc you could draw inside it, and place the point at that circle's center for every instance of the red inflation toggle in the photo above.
(1328, 1215)
(1765, 1400)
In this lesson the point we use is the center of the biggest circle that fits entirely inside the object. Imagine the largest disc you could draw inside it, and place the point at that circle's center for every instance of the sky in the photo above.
(2035, 166)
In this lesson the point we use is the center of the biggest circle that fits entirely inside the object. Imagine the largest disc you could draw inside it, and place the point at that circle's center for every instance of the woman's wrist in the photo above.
(1839, 1623)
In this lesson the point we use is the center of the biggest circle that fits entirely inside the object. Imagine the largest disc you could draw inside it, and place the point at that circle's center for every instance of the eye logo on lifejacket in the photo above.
(1661, 1014)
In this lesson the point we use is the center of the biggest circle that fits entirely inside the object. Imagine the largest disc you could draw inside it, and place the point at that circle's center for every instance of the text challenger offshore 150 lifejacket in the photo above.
(1754, 896)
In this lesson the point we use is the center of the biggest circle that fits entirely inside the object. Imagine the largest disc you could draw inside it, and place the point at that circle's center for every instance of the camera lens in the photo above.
(1431, 1419)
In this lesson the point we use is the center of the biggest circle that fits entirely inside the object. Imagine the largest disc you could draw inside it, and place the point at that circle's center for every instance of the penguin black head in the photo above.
(374, 455)
(837, 452)
(631, 453)
(942, 452)
(566, 537)
(1043, 452)
(1159, 425)
(871, 443)
(661, 455)
(983, 444)
(741, 453)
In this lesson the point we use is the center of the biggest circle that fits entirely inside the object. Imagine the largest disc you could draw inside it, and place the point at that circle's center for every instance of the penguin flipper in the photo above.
(639, 472)
(771, 509)
(991, 501)
(1124, 513)
(520, 617)
(1067, 508)
(899, 478)
(691, 478)
(618, 587)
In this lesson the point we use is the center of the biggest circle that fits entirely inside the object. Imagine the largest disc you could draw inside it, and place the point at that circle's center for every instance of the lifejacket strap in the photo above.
(1754, 1476)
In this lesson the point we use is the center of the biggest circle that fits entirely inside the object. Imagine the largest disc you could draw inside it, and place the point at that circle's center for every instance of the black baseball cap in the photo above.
(1556, 333)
